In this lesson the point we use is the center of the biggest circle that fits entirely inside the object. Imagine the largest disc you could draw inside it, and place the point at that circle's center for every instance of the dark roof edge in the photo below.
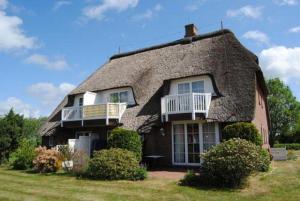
(176, 42)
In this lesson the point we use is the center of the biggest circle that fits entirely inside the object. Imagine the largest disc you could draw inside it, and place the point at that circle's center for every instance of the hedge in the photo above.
(126, 139)
(243, 130)
(294, 146)
(115, 164)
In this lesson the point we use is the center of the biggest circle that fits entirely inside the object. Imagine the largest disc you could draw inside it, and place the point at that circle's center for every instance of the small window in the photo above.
(198, 87)
(183, 88)
(51, 141)
(80, 101)
(114, 97)
(124, 97)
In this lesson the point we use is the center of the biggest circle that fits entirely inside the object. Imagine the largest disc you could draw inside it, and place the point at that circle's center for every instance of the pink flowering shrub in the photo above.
(47, 160)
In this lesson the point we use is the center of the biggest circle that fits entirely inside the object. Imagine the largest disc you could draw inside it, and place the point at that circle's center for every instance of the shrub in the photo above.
(264, 161)
(190, 179)
(140, 173)
(243, 130)
(291, 155)
(229, 163)
(126, 139)
(22, 158)
(47, 160)
(294, 146)
(114, 164)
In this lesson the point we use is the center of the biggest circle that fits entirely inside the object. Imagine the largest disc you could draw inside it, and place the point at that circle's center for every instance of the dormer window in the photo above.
(119, 97)
(191, 87)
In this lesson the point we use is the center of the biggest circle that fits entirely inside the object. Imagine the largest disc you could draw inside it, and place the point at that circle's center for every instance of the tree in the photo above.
(31, 127)
(11, 129)
(284, 110)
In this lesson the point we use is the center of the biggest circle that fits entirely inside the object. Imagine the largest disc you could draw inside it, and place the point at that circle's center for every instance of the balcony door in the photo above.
(191, 139)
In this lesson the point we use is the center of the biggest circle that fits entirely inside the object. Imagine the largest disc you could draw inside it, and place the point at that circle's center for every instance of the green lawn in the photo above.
(282, 183)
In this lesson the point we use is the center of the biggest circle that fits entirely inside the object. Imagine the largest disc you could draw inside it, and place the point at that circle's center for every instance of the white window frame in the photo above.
(190, 84)
(186, 163)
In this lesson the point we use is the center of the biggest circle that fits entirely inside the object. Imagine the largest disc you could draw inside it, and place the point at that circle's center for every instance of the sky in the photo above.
(49, 47)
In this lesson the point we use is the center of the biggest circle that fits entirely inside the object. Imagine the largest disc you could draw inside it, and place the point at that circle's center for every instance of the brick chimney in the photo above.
(190, 30)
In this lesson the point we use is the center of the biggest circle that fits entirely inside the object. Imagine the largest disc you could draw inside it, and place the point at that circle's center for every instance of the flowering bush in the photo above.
(47, 160)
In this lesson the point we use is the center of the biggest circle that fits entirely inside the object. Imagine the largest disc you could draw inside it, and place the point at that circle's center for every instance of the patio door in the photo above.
(191, 139)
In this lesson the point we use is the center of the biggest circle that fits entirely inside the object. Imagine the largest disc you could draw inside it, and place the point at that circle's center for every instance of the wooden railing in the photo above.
(185, 103)
(89, 112)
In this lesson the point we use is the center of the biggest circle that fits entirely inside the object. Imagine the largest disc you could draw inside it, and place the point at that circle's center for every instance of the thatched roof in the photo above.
(218, 54)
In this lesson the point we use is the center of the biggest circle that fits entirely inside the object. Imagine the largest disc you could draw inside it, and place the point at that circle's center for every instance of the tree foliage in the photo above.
(284, 110)
(11, 128)
(14, 128)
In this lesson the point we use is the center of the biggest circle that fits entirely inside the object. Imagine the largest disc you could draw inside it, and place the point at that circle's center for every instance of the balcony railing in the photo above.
(90, 112)
(185, 103)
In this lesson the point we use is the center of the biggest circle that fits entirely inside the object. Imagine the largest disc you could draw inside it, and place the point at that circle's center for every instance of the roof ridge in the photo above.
(176, 42)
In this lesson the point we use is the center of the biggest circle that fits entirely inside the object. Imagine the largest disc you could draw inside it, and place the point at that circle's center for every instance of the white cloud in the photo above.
(60, 4)
(52, 64)
(295, 30)
(281, 61)
(246, 11)
(12, 37)
(3, 4)
(195, 5)
(286, 2)
(257, 36)
(19, 107)
(97, 11)
(149, 14)
(49, 94)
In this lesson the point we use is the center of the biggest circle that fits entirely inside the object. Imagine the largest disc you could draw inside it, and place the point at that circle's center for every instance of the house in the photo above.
(178, 96)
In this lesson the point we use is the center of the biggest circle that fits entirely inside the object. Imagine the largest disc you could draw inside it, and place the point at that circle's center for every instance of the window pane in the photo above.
(198, 87)
(114, 98)
(209, 136)
(183, 88)
(80, 101)
(124, 97)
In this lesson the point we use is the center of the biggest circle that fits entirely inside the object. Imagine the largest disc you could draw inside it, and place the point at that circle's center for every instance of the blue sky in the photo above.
(48, 47)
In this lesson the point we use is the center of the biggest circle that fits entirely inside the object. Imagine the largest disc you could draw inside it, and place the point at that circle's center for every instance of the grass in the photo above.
(281, 183)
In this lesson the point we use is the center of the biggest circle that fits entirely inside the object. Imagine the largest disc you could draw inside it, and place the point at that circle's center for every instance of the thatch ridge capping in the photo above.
(185, 40)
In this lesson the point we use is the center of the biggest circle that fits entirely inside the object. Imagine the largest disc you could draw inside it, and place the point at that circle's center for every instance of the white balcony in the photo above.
(91, 112)
(185, 103)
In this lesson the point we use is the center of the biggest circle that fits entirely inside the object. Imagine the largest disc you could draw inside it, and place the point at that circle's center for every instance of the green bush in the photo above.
(190, 179)
(140, 173)
(294, 146)
(114, 164)
(229, 163)
(291, 155)
(265, 160)
(243, 130)
(22, 158)
(126, 139)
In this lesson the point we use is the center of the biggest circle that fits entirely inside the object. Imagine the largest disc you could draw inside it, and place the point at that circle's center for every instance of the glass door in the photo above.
(193, 143)
(179, 143)
(209, 136)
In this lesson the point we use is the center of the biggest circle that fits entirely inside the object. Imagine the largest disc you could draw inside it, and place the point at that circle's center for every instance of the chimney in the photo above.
(190, 30)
